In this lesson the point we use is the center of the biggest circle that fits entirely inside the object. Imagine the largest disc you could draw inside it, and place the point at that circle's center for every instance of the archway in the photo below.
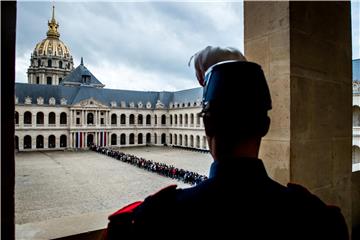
(90, 139)
(163, 138)
(63, 142)
(51, 141)
(40, 141)
(148, 138)
(27, 142)
(113, 139)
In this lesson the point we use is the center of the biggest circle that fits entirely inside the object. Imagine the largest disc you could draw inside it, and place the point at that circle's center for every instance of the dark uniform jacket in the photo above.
(238, 201)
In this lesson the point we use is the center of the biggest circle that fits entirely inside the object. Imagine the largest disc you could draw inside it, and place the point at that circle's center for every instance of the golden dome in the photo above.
(52, 45)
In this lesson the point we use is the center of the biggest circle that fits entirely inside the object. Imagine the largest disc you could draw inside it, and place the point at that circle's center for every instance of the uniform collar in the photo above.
(243, 167)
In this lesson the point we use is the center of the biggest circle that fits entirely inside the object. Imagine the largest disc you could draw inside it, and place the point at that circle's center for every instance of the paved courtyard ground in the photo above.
(58, 184)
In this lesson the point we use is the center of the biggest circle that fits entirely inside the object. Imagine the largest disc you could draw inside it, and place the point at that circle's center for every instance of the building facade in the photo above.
(356, 115)
(65, 108)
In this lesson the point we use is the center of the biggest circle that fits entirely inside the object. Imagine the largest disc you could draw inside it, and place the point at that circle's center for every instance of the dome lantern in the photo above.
(53, 26)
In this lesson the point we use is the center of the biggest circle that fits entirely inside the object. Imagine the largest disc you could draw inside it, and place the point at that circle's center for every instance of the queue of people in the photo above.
(163, 169)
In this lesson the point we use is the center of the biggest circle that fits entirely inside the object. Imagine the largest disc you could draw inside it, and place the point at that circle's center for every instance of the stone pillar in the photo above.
(304, 49)
(71, 140)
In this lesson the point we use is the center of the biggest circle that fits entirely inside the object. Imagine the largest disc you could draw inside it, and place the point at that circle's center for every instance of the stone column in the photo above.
(70, 140)
(304, 49)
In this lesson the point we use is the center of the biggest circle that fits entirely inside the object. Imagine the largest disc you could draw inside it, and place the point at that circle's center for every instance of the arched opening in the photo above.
(16, 117)
(39, 118)
(204, 142)
(60, 64)
(16, 143)
(176, 119)
(180, 119)
(197, 141)
(140, 138)
(197, 120)
(191, 141)
(52, 118)
(186, 120)
(123, 119)
(90, 139)
(140, 119)
(163, 119)
(27, 118)
(155, 120)
(122, 139)
(113, 139)
(63, 118)
(131, 138)
(132, 119)
(27, 142)
(356, 116)
(40, 141)
(39, 62)
(175, 140)
(49, 63)
(90, 118)
(148, 138)
(113, 119)
(170, 138)
(155, 138)
(148, 119)
(163, 138)
(186, 140)
(192, 119)
(51, 141)
(355, 154)
(63, 141)
(180, 139)
(171, 119)
(48, 80)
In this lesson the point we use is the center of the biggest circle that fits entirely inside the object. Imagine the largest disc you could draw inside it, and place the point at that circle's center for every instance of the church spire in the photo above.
(53, 26)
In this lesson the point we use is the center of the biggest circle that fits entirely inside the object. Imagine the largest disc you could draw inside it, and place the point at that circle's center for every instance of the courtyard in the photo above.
(55, 185)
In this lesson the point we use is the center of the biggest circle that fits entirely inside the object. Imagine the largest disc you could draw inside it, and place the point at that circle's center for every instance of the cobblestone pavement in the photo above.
(57, 184)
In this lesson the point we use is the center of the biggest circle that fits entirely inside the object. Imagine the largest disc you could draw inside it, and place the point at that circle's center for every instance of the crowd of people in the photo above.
(192, 149)
(163, 169)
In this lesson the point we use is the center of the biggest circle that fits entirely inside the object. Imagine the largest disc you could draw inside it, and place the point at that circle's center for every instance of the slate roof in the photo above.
(75, 77)
(75, 94)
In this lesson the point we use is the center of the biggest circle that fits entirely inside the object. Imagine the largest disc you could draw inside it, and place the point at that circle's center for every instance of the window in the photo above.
(123, 119)
(102, 121)
(78, 121)
(39, 62)
(113, 119)
(37, 80)
(148, 138)
(60, 64)
(63, 118)
(27, 118)
(140, 138)
(163, 139)
(163, 119)
(90, 118)
(132, 138)
(52, 118)
(140, 119)
(60, 79)
(39, 118)
(132, 119)
(148, 119)
(48, 80)
(123, 139)
(49, 63)
(113, 139)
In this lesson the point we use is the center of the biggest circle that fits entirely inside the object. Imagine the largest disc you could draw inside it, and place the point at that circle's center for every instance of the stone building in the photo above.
(65, 108)
(356, 115)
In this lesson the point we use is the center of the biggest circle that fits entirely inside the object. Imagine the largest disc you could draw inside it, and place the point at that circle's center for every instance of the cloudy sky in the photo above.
(141, 45)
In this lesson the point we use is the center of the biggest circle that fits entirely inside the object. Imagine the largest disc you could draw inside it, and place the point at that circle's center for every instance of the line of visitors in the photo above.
(180, 174)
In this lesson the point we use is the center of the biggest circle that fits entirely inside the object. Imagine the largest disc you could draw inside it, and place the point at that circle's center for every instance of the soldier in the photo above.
(239, 200)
